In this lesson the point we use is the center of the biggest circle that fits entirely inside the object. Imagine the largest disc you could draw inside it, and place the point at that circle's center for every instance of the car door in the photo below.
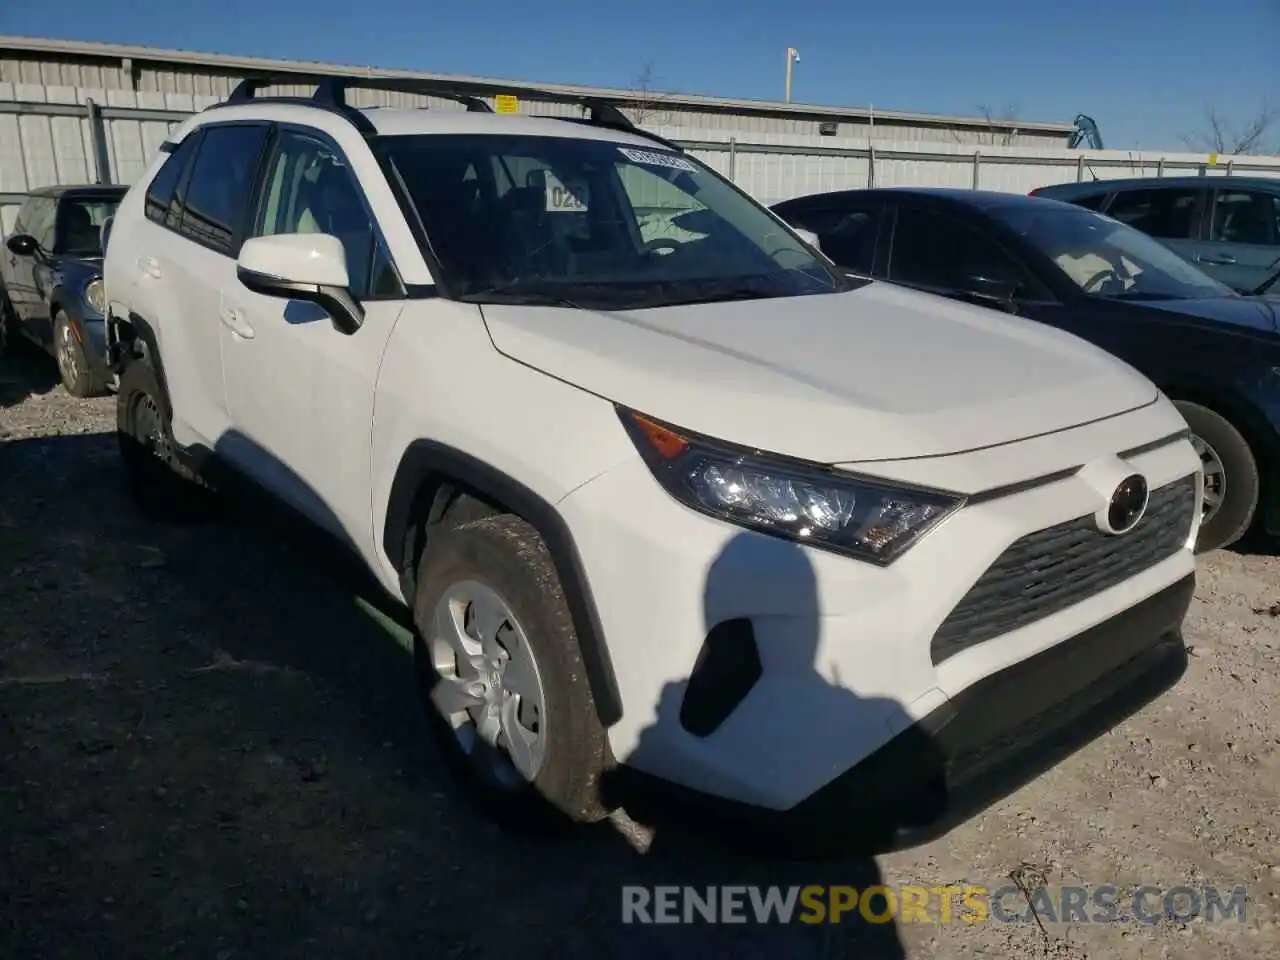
(847, 230)
(1241, 245)
(16, 269)
(40, 270)
(193, 268)
(300, 391)
(1170, 214)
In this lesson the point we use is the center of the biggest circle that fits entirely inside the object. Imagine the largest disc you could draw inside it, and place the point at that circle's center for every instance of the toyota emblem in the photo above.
(1128, 504)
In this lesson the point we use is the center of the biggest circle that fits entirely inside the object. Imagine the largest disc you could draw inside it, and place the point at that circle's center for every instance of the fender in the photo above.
(125, 353)
(425, 459)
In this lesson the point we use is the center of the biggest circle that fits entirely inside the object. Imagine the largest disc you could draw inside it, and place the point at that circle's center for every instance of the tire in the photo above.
(8, 324)
(163, 487)
(78, 376)
(1220, 443)
(504, 554)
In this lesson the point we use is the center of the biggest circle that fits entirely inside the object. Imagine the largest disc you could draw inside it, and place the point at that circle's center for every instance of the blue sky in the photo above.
(1146, 70)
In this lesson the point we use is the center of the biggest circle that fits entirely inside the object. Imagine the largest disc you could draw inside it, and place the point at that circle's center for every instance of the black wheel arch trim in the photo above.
(425, 459)
(145, 332)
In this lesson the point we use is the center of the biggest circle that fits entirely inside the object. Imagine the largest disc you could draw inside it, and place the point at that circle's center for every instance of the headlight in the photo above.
(862, 518)
(94, 295)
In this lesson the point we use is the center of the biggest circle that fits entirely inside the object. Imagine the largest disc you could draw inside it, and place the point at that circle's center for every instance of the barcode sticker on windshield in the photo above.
(648, 157)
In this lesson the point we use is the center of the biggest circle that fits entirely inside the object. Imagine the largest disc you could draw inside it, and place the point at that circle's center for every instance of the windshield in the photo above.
(594, 223)
(1106, 258)
(81, 227)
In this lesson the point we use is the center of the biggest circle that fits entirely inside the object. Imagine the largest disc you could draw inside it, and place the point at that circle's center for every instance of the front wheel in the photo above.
(502, 674)
(1231, 481)
(78, 375)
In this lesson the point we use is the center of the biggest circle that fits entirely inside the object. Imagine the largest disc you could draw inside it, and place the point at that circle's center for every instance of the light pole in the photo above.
(793, 56)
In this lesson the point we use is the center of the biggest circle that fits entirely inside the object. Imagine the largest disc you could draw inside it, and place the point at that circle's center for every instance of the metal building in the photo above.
(103, 68)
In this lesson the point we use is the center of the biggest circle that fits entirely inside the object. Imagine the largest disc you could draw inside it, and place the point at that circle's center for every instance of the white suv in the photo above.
(665, 491)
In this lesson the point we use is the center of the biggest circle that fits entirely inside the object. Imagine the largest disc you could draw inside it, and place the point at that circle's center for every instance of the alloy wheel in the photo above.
(1215, 478)
(489, 690)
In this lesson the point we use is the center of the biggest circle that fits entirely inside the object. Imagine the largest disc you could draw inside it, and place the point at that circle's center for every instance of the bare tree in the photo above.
(1219, 135)
(999, 128)
(647, 108)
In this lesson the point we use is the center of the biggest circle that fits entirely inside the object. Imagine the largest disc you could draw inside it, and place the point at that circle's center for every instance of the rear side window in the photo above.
(1168, 214)
(217, 194)
(1246, 216)
(165, 183)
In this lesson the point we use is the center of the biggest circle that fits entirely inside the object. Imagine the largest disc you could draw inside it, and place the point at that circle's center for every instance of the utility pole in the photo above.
(793, 56)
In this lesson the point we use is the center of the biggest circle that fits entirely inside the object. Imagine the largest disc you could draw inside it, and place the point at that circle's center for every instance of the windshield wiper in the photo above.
(510, 293)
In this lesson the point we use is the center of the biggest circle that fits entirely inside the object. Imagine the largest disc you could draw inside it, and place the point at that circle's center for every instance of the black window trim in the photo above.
(260, 189)
(894, 209)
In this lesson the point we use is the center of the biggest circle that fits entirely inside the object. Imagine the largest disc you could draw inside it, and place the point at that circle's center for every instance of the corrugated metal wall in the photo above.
(48, 137)
(74, 72)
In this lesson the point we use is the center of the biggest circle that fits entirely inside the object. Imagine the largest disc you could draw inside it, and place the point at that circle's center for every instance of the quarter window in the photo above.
(846, 235)
(221, 180)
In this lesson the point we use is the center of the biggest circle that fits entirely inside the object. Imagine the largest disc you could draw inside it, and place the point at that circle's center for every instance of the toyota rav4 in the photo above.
(664, 490)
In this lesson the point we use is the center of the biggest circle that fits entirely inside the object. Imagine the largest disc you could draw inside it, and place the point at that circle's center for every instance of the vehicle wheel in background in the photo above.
(1231, 482)
(77, 374)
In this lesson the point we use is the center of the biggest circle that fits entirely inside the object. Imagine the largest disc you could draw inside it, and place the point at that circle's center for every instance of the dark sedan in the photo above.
(1215, 353)
(51, 280)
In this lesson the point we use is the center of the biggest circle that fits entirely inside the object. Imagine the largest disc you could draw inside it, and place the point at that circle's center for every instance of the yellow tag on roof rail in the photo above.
(506, 103)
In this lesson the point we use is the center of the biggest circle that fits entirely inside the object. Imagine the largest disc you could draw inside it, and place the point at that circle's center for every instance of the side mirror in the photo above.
(996, 290)
(23, 244)
(302, 266)
(809, 237)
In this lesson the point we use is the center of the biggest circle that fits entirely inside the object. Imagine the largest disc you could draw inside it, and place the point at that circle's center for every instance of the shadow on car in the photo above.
(213, 745)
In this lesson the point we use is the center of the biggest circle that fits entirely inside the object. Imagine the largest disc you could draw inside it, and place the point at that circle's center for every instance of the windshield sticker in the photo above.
(672, 161)
(566, 198)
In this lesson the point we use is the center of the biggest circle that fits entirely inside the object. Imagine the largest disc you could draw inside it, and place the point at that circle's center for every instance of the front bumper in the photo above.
(985, 743)
(844, 659)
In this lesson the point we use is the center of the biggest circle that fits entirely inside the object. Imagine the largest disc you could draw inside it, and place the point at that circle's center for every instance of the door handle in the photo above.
(1222, 260)
(151, 267)
(234, 321)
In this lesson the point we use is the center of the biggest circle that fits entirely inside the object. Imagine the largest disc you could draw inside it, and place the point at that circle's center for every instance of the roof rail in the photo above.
(602, 113)
(331, 95)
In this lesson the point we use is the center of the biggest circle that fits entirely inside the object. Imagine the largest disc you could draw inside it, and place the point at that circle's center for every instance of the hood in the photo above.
(877, 373)
(1255, 313)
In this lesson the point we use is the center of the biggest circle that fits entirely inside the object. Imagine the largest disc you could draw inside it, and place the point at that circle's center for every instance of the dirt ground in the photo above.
(209, 749)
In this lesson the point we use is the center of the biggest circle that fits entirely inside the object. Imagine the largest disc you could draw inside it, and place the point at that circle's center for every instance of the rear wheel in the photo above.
(1231, 480)
(502, 675)
(8, 323)
(161, 485)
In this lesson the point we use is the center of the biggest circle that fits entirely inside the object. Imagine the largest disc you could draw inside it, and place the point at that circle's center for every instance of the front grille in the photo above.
(1052, 569)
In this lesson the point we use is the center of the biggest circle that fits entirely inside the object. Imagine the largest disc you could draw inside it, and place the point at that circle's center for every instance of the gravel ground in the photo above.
(208, 749)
